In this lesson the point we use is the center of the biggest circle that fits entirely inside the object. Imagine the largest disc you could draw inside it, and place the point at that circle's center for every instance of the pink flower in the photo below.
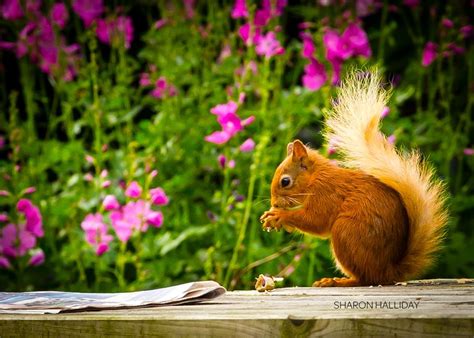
(88, 177)
(133, 190)
(34, 222)
(268, 45)
(429, 53)
(356, 38)
(96, 232)
(447, 23)
(155, 218)
(365, 7)
(466, 31)
(225, 108)
(4, 263)
(336, 47)
(218, 137)
(11, 10)
(133, 216)
(88, 10)
(29, 190)
(468, 151)
(163, 88)
(385, 112)
(158, 196)
(160, 23)
(391, 139)
(411, 3)
(308, 45)
(113, 31)
(144, 79)
(90, 159)
(37, 258)
(276, 10)
(110, 203)
(247, 146)
(189, 8)
(239, 10)
(222, 160)
(314, 76)
(4, 193)
(249, 37)
(3, 217)
(59, 14)
(16, 240)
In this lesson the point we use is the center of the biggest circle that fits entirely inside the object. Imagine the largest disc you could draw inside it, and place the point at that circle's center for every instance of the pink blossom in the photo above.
(106, 184)
(314, 76)
(29, 190)
(262, 17)
(4, 193)
(189, 8)
(231, 164)
(308, 45)
(88, 10)
(161, 23)
(336, 47)
(3, 217)
(133, 190)
(268, 45)
(96, 232)
(466, 31)
(247, 146)
(276, 10)
(90, 159)
(239, 10)
(153, 173)
(163, 88)
(411, 3)
(11, 10)
(447, 23)
(155, 218)
(4, 263)
(133, 216)
(385, 112)
(110, 203)
(222, 160)
(356, 38)
(365, 7)
(16, 240)
(249, 37)
(158, 196)
(224, 109)
(88, 177)
(59, 14)
(241, 98)
(104, 173)
(37, 258)
(218, 137)
(468, 151)
(113, 31)
(34, 222)
(225, 52)
(391, 139)
(429, 53)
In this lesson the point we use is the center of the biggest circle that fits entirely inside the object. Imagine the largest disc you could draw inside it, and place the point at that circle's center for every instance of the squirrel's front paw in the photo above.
(271, 219)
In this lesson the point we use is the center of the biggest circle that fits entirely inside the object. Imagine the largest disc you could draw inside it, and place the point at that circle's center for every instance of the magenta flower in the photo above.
(466, 31)
(161, 23)
(447, 23)
(16, 240)
(314, 75)
(59, 14)
(34, 222)
(239, 10)
(429, 53)
(276, 10)
(88, 10)
(468, 151)
(113, 31)
(336, 47)
(11, 10)
(96, 233)
(189, 8)
(268, 46)
(144, 80)
(37, 258)
(110, 203)
(3, 217)
(385, 112)
(155, 218)
(249, 37)
(158, 196)
(4, 262)
(308, 45)
(247, 146)
(218, 137)
(356, 38)
(133, 216)
(133, 190)
(163, 88)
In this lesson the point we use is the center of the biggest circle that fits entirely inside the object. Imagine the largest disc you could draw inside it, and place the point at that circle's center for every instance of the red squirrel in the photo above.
(383, 210)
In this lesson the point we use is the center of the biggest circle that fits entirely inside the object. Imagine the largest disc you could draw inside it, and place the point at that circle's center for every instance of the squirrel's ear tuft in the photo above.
(289, 149)
(299, 151)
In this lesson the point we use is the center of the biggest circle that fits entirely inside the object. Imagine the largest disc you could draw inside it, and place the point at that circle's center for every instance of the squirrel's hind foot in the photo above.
(336, 281)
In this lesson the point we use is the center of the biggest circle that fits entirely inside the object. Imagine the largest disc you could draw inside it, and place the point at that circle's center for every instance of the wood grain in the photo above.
(444, 309)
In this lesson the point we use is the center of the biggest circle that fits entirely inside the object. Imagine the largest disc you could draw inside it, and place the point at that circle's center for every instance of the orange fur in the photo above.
(384, 211)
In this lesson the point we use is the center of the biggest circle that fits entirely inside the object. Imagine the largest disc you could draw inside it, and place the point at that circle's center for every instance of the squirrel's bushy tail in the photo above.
(353, 126)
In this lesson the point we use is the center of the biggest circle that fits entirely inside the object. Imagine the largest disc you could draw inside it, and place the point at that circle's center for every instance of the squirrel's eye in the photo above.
(285, 181)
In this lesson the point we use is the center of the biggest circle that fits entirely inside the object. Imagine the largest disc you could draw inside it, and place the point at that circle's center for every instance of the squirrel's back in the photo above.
(353, 125)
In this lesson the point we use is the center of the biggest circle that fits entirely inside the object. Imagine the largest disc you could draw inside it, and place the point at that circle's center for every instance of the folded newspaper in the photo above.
(57, 301)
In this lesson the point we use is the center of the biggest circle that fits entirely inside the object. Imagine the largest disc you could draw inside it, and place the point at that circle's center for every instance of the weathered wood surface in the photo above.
(444, 310)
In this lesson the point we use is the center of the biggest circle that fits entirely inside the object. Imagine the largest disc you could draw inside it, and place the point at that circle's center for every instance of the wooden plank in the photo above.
(441, 310)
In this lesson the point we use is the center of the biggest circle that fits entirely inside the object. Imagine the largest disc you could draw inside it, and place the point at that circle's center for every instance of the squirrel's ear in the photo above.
(299, 151)
(289, 149)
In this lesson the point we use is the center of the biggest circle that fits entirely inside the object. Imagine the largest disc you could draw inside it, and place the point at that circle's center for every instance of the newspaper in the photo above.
(40, 302)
